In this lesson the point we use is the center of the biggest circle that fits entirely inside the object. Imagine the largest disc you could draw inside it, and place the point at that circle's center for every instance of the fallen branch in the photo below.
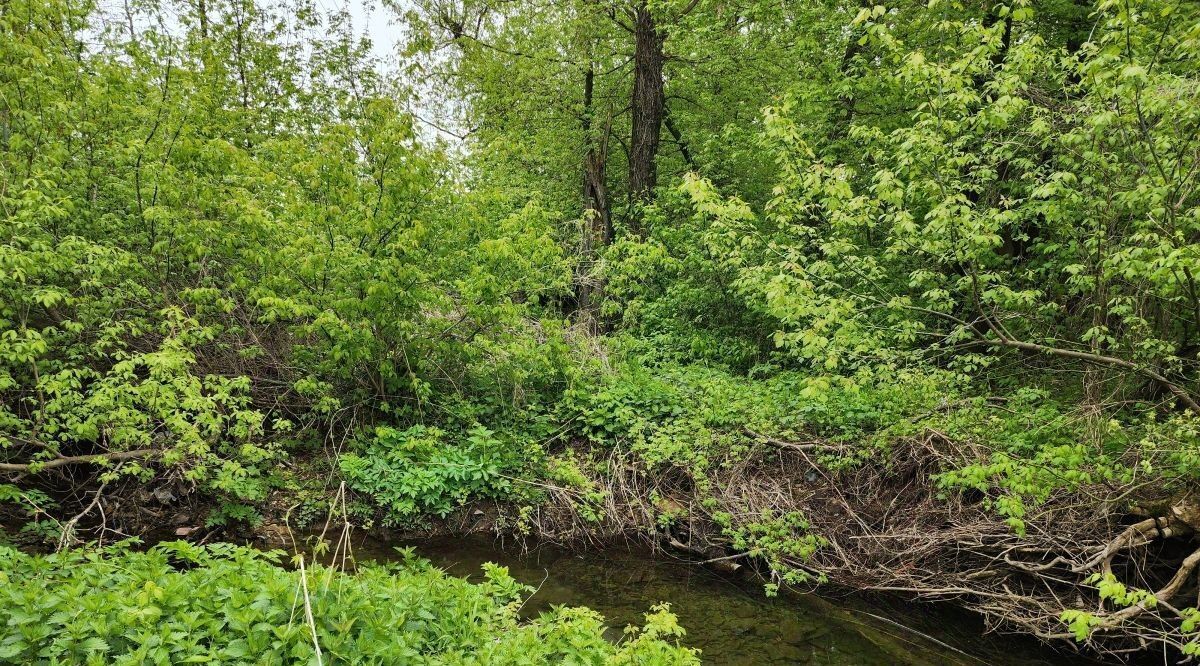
(1162, 597)
(1146, 529)
(63, 461)
(792, 446)
(67, 534)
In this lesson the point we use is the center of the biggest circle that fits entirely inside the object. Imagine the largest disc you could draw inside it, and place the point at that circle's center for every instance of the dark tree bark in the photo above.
(129, 22)
(595, 188)
(846, 101)
(202, 12)
(596, 229)
(648, 103)
(679, 140)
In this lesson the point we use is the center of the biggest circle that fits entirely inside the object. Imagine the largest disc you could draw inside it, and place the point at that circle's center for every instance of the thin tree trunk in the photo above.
(129, 22)
(684, 149)
(596, 227)
(846, 102)
(595, 189)
(202, 10)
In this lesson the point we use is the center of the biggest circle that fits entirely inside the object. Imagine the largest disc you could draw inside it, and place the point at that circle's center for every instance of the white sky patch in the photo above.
(377, 23)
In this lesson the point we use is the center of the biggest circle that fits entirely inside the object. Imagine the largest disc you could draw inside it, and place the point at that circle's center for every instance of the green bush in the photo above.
(222, 604)
(415, 471)
(621, 404)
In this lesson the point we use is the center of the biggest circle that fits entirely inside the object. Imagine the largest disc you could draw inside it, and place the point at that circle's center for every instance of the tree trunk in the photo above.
(595, 161)
(596, 227)
(648, 103)
(202, 11)
(846, 101)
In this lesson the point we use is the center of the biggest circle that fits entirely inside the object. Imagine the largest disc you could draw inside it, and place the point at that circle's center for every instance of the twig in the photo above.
(68, 529)
(794, 446)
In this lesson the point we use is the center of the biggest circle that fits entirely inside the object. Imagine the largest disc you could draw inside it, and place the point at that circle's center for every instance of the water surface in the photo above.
(728, 617)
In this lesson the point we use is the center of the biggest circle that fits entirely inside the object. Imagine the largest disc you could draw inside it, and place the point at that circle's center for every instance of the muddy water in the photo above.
(727, 617)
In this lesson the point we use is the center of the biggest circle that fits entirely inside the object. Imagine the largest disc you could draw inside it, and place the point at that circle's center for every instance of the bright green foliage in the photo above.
(784, 542)
(1113, 591)
(178, 603)
(217, 243)
(1036, 200)
(676, 297)
(1081, 623)
(1000, 214)
(1191, 620)
(692, 416)
(1116, 592)
(627, 403)
(1035, 451)
(231, 263)
(416, 472)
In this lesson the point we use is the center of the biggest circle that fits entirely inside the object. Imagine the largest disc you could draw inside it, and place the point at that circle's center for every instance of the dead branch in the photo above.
(1100, 359)
(793, 446)
(63, 461)
(67, 536)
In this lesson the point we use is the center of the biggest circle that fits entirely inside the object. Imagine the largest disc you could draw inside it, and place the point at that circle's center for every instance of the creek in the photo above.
(727, 616)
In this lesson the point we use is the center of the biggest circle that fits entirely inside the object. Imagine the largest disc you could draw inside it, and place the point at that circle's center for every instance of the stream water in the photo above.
(729, 618)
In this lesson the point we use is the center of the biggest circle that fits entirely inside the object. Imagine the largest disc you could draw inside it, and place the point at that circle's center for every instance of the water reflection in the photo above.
(730, 620)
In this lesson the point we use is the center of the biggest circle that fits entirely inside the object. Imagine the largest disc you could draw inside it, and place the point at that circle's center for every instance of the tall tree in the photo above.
(647, 104)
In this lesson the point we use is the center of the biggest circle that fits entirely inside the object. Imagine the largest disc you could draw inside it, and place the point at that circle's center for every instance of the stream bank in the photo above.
(727, 615)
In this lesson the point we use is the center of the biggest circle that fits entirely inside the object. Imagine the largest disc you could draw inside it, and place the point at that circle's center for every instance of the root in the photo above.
(1179, 521)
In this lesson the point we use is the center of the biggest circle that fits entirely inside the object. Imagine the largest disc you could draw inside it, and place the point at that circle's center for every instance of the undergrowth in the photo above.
(178, 603)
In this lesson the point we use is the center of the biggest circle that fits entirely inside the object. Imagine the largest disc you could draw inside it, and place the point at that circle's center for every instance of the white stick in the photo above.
(308, 614)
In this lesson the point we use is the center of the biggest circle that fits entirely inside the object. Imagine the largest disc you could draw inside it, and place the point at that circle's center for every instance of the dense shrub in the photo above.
(417, 472)
(243, 258)
(178, 604)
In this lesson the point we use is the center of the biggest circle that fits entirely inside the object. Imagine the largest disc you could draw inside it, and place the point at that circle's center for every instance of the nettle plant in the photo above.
(621, 405)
